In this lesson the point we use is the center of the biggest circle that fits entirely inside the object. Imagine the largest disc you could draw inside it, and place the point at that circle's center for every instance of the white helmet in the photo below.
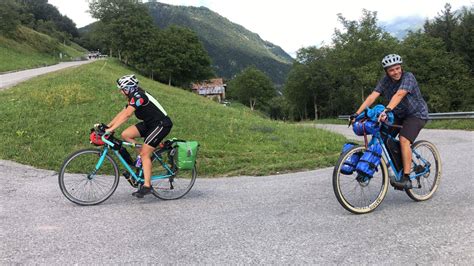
(127, 83)
(390, 60)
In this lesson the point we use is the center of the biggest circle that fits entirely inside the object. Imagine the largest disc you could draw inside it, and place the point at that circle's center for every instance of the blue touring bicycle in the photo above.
(360, 189)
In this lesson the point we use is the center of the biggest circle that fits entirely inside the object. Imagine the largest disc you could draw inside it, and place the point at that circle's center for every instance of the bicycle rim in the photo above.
(82, 184)
(176, 186)
(359, 195)
(430, 181)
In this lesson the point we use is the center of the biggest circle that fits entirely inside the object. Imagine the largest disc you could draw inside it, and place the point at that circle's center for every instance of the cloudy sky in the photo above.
(291, 24)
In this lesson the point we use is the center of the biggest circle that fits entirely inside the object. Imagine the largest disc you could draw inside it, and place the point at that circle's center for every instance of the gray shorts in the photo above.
(411, 127)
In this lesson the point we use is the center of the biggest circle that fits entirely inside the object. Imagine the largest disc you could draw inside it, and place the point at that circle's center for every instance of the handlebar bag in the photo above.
(368, 127)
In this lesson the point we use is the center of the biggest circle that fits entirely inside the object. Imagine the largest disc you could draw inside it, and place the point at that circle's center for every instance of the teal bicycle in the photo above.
(91, 176)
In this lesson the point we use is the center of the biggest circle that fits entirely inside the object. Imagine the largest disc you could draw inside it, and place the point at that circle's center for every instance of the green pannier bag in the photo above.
(187, 152)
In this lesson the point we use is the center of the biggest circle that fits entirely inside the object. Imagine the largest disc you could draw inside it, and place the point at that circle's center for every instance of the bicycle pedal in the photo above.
(398, 188)
(419, 169)
(397, 185)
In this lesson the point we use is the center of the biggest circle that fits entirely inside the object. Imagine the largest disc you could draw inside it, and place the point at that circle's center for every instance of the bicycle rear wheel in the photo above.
(82, 184)
(176, 186)
(425, 157)
(359, 194)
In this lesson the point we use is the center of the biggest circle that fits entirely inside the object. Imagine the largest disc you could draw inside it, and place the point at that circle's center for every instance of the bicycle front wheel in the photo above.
(356, 193)
(425, 158)
(82, 183)
(176, 186)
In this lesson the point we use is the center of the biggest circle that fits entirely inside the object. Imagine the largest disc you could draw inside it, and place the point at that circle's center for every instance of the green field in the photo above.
(46, 118)
(30, 49)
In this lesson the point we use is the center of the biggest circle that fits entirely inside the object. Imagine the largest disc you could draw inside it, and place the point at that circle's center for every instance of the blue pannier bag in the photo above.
(349, 165)
(369, 161)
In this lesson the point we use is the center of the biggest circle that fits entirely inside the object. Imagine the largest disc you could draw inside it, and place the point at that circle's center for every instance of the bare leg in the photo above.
(145, 153)
(130, 134)
(406, 154)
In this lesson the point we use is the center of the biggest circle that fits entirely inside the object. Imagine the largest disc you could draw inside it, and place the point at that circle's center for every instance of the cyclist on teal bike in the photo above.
(401, 90)
(154, 127)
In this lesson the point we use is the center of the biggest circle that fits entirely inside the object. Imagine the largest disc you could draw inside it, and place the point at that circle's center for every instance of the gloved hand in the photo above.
(383, 115)
(353, 116)
(100, 126)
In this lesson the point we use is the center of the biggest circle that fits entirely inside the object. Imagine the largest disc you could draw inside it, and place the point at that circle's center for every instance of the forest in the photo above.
(334, 79)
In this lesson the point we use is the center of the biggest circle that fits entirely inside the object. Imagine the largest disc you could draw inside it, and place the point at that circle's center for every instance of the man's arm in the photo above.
(397, 98)
(368, 102)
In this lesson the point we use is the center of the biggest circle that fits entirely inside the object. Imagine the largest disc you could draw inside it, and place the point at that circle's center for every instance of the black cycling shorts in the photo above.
(154, 134)
(411, 127)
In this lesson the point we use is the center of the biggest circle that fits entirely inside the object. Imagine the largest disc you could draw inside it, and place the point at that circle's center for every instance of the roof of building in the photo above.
(212, 83)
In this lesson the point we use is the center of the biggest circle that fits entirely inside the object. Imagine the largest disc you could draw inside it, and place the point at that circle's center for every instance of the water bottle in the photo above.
(138, 162)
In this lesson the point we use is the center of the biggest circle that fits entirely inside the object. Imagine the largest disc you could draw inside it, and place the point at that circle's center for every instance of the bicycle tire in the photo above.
(176, 186)
(344, 198)
(432, 186)
(79, 187)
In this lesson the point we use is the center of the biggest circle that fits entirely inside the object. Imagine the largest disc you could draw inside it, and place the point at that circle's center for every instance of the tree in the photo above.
(279, 108)
(125, 26)
(297, 89)
(178, 57)
(443, 27)
(358, 50)
(9, 17)
(328, 80)
(464, 37)
(444, 79)
(43, 12)
(252, 87)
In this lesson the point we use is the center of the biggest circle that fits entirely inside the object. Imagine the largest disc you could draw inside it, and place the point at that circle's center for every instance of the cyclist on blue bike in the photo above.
(154, 127)
(404, 98)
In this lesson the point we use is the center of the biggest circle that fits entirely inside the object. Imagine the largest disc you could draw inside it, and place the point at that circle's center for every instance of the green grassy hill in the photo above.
(30, 49)
(45, 119)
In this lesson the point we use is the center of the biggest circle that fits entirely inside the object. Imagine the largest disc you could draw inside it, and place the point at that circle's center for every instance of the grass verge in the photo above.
(49, 117)
(463, 124)
(30, 49)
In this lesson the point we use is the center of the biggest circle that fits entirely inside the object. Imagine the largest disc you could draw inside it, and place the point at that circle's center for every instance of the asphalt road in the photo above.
(283, 219)
(10, 79)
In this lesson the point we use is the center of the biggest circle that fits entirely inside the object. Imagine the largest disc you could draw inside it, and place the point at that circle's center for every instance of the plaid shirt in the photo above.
(413, 104)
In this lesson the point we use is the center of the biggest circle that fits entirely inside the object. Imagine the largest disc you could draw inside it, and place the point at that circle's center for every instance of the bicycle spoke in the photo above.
(428, 181)
(353, 192)
(83, 188)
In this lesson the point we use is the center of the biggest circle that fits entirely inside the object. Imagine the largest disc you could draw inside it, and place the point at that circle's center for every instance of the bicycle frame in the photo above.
(377, 138)
(138, 176)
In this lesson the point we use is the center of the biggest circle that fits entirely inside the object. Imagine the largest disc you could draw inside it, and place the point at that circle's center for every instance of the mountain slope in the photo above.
(231, 46)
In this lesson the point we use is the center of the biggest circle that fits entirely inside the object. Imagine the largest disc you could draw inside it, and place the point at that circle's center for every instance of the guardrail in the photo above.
(437, 116)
